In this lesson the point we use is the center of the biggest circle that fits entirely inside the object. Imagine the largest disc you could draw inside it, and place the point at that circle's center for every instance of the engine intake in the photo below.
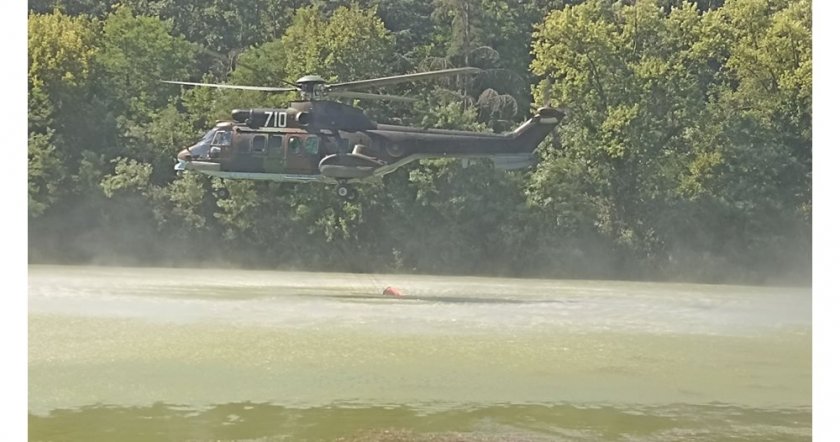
(304, 118)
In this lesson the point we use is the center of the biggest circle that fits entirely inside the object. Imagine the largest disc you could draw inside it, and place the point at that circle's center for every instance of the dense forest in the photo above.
(685, 154)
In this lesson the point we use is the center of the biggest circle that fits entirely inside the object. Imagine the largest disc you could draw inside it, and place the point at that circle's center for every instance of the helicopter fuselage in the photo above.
(332, 142)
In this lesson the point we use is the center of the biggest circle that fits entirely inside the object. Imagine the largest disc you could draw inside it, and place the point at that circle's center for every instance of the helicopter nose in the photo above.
(185, 155)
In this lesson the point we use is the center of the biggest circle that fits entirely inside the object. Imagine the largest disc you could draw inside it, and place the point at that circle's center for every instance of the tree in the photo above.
(686, 151)
(137, 52)
(221, 26)
(61, 52)
(663, 103)
(754, 173)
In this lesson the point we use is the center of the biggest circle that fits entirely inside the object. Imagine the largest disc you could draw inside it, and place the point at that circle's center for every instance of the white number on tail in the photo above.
(275, 119)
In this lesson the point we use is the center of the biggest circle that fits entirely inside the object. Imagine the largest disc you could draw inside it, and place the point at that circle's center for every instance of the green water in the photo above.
(180, 354)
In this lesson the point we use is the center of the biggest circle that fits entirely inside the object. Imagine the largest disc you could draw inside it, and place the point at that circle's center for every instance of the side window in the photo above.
(258, 144)
(222, 138)
(311, 145)
(295, 145)
(275, 145)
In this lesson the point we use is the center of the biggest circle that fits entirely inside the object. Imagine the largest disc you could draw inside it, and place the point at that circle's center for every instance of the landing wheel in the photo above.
(342, 191)
(345, 192)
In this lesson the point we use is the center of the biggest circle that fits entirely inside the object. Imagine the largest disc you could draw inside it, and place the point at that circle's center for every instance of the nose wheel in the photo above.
(345, 192)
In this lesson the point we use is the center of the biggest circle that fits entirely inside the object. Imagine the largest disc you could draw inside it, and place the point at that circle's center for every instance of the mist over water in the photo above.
(229, 354)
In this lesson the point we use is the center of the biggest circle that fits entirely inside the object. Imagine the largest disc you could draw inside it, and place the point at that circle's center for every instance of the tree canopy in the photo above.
(685, 153)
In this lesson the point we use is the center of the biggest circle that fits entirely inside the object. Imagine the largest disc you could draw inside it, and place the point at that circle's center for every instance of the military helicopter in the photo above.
(317, 140)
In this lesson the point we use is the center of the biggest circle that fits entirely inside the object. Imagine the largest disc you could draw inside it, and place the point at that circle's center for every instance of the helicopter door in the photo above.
(302, 153)
(250, 153)
(275, 160)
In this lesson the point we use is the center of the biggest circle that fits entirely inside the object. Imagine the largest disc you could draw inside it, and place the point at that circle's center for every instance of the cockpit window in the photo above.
(208, 136)
(201, 149)
(222, 138)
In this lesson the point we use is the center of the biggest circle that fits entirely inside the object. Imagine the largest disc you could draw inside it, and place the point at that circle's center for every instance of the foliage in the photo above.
(351, 44)
(662, 105)
(137, 52)
(685, 152)
(61, 53)
(46, 172)
(60, 50)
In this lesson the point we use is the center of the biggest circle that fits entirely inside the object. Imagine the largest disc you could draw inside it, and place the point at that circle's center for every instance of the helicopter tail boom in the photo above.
(533, 131)
(440, 142)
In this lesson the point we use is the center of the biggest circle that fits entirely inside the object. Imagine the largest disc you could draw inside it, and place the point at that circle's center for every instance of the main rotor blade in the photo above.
(234, 86)
(365, 95)
(401, 78)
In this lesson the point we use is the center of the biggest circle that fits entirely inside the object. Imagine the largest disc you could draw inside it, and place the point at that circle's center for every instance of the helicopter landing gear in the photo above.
(345, 192)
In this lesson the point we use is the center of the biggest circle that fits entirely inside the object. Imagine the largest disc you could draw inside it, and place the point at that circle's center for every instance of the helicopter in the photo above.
(316, 140)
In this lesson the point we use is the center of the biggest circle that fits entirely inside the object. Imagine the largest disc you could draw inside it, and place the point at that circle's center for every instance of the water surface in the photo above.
(199, 354)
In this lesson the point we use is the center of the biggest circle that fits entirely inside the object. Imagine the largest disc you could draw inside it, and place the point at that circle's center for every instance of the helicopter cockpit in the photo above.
(211, 144)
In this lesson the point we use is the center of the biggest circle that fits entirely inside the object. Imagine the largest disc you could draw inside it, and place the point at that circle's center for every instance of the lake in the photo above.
(219, 354)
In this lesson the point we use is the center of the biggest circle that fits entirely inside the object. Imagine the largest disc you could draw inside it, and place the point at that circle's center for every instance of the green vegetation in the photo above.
(686, 154)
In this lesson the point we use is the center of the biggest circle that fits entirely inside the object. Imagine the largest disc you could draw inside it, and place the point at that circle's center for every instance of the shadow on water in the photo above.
(250, 421)
(339, 294)
(448, 299)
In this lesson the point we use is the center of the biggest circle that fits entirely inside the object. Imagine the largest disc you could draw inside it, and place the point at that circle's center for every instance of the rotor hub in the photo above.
(312, 87)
